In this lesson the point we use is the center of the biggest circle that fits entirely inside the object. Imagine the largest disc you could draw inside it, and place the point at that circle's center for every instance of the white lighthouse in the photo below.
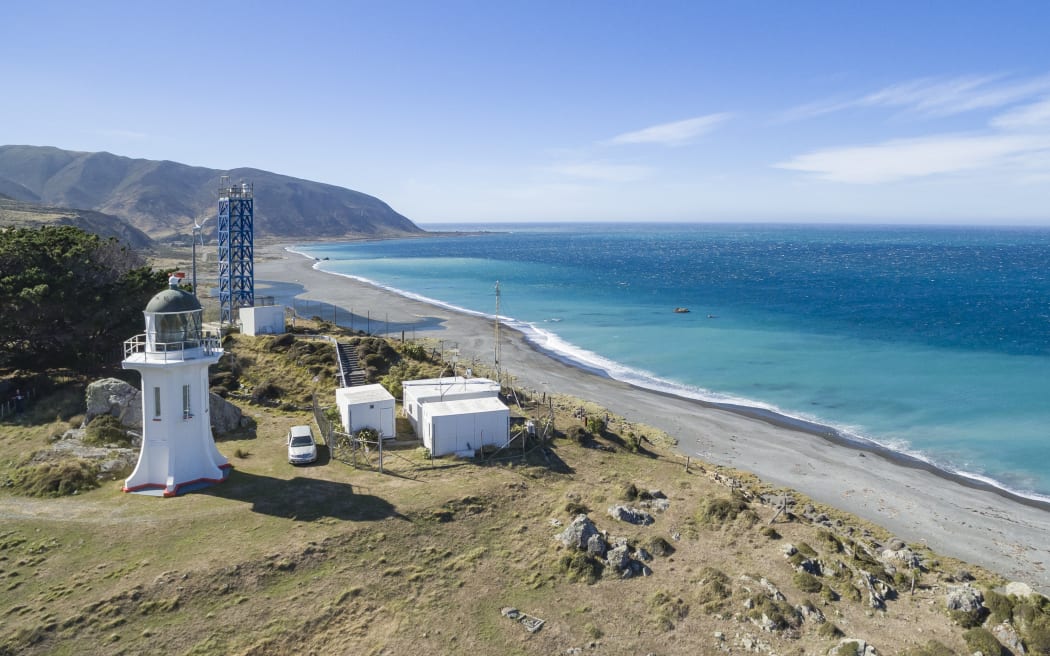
(173, 357)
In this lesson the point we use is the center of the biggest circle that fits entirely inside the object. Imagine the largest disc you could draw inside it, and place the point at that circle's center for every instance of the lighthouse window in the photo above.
(186, 414)
(156, 403)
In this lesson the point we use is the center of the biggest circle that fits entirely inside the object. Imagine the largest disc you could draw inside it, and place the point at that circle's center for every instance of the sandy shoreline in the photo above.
(966, 520)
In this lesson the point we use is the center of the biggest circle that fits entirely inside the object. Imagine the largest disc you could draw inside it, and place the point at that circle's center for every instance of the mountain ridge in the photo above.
(164, 198)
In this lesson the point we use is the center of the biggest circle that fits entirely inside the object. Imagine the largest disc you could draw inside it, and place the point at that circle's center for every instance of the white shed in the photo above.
(464, 425)
(264, 320)
(418, 393)
(366, 406)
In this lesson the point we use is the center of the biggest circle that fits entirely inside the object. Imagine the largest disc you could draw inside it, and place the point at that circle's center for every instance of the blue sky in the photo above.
(926, 112)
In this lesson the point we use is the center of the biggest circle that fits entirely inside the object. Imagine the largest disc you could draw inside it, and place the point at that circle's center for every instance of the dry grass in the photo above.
(329, 559)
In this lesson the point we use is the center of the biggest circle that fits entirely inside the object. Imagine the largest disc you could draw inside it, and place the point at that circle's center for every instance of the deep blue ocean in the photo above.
(932, 341)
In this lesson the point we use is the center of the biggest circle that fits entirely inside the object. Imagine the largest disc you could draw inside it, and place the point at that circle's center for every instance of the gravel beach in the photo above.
(955, 517)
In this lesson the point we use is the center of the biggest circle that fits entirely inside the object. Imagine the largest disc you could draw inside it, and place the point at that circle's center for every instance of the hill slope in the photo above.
(23, 214)
(164, 198)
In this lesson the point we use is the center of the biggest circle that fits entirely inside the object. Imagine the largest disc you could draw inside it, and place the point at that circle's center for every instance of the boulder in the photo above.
(596, 545)
(964, 598)
(1022, 590)
(902, 557)
(111, 396)
(1006, 634)
(578, 533)
(225, 416)
(618, 558)
(631, 515)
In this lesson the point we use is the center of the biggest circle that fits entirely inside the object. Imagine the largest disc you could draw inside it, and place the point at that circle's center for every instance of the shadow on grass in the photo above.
(303, 499)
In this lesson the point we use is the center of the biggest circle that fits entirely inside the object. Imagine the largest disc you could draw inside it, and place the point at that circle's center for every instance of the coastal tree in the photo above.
(69, 298)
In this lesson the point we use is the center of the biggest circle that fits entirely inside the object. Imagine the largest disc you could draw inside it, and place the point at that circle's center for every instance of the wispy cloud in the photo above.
(908, 158)
(934, 96)
(672, 134)
(1034, 116)
(601, 171)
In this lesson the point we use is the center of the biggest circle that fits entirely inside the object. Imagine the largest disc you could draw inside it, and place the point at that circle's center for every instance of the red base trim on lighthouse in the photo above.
(175, 492)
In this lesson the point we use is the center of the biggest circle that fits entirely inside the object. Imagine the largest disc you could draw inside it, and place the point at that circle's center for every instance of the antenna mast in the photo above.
(499, 377)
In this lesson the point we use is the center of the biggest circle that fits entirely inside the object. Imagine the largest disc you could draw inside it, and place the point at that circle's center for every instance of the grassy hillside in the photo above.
(25, 214)
(163, 198)
(425, 557)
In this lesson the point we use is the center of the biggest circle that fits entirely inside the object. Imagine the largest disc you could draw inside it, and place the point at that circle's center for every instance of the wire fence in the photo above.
(17, 403)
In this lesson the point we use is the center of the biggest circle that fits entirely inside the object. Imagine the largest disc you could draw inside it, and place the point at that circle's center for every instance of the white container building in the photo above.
(455, 414)
(367, 406)
(263, 320)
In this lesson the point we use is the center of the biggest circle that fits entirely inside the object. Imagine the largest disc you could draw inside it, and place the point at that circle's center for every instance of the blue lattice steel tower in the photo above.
(236, 248)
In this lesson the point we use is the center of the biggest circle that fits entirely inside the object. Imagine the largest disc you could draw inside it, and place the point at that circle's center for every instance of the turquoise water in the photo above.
(931, 341)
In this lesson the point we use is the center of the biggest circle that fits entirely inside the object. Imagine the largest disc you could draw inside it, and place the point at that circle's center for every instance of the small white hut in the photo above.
(262, 320)
(455, 414)
(366, 406)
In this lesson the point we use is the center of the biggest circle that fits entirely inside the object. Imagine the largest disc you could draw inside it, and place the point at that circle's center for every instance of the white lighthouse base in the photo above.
(160, 471)
(178, 450)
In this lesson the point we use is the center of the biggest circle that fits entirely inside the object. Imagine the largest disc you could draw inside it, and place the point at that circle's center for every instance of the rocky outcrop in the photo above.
(225, 416)
(111, 396)
(578, 533)
(631, 515)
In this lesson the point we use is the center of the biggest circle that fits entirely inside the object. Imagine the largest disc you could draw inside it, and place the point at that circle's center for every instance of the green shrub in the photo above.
(782, 614)
(968, 619)
(666, 610)
(629, 492)
(106, 429)
(56, 479)
(633, 442)
(806, 582)
(770, 533)
(1000, 606)
(1037, 636)
(722, 510)
(714, 591)
(574, 508)
(266, 391)
(581, 566)
(806, 550)
(829, 541)
(415, 352)
(658, 546)
(578, 434)
(596, 425)
(829, 631)
(982, 640)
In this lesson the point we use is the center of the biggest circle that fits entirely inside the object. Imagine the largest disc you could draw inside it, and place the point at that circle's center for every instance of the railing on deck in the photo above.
(171, 351)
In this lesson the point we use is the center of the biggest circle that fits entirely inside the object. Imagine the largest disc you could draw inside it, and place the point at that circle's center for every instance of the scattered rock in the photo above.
(903, 557)
(1006, 634)
(789, 550)
(578, 533)
(596, 545)
(964, 598)
(631, 515)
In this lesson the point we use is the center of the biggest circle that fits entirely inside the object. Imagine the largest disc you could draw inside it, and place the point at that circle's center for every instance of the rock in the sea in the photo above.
(578, 533)
(111, 396)
(631, 515)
